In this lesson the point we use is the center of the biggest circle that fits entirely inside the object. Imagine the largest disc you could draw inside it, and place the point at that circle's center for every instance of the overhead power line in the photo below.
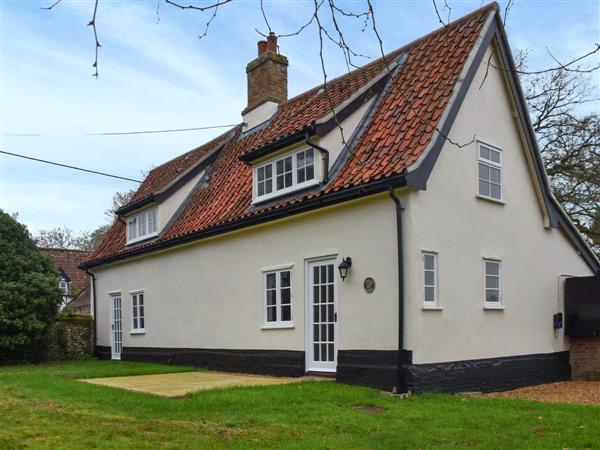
(125, 133)
(69, 167)
(175, 130)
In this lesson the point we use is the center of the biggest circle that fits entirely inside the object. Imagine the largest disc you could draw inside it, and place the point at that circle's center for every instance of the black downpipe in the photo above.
(400, 383)
(94, 304)
(322, 150)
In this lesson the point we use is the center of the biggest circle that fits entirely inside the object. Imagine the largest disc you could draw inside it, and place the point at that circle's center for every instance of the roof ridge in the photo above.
(65, 249)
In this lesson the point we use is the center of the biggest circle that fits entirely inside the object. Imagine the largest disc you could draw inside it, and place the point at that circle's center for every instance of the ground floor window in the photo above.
(493, 273)
(430, 291)
(278, 297)
(137, 303)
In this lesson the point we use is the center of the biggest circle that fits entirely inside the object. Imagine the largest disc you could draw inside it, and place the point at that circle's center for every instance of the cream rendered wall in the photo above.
(210, 294)
(449, 219)
(169, 206)
(334, 140)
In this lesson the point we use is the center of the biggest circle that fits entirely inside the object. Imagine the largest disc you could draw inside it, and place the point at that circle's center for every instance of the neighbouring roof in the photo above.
(422, 79)
(67, 262)
(80, 304)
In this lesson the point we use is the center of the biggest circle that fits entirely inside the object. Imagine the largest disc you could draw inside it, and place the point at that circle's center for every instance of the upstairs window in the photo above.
(305, 165)
(142, 225)
(285, 174)
(490, 172)
(278, 298)
(264, 180)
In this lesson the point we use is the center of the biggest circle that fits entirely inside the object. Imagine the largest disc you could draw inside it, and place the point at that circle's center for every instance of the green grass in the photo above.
(46, 407)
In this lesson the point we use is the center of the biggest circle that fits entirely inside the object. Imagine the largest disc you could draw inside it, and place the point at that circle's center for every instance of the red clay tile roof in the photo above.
(80, 304)
(69, 261)
(161, 176)
(398, 132)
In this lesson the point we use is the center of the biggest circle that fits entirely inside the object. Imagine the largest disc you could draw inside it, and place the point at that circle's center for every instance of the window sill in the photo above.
(493, 308)
(137, 332)
(278, 326)
(432, 308)
(143, 238)
(490, 199)
(276, 194)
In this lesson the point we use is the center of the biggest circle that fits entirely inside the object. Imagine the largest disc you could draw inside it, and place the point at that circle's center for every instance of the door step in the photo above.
(316, 374)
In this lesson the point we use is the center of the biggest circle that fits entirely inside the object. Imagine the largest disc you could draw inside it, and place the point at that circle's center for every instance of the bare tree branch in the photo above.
(437, 13)
(262, 10)
(207, 25)
(48, 8)
(198, 8)
(93, 25)
(507, 8)
(562, 66)
(303, 27)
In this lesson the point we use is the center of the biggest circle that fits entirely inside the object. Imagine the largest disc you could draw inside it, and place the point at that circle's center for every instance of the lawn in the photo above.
(46, 407)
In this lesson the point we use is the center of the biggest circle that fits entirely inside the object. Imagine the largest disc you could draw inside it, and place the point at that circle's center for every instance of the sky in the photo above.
(156, 73)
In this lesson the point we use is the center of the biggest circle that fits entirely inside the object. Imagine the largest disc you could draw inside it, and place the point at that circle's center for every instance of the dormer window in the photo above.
(142, 225)
(285, 174)
(63, 285)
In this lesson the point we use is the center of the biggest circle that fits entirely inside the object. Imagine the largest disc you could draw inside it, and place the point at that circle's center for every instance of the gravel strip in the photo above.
(582, 392)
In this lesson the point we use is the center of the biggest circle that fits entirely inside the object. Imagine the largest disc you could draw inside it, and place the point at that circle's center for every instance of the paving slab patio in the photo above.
(180, 384)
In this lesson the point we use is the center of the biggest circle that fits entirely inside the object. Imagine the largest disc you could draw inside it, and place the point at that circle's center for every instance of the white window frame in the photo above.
(492, 305)
(134, 221)
(491, 164)
(295, 186)
(435, 286)
(135, 311)
(278, 305)
(65, 289)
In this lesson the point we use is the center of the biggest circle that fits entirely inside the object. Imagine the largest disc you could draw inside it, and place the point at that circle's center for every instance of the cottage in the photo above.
(73, 282)
(393, 229)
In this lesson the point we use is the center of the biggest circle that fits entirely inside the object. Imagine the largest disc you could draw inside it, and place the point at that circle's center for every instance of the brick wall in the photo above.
(70, 338)
(585, 358)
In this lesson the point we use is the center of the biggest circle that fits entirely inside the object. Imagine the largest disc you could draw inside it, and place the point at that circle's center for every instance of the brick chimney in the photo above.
(267, 76)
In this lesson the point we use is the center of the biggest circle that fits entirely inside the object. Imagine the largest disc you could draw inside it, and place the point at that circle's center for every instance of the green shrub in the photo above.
(29, 294)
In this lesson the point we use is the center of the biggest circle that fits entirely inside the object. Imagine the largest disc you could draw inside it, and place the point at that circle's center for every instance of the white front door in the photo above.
(116, 328)
(322, 316)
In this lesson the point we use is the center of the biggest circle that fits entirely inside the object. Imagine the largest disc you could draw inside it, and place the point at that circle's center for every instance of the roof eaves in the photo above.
(315, 202)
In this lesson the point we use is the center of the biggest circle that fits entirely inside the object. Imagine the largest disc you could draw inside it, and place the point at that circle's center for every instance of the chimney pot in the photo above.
(272, 42)
(262, 47)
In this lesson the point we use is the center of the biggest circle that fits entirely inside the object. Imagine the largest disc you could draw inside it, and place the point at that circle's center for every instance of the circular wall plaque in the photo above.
(369, 284)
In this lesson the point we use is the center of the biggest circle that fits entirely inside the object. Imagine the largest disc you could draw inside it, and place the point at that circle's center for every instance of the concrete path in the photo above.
(180, 384)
